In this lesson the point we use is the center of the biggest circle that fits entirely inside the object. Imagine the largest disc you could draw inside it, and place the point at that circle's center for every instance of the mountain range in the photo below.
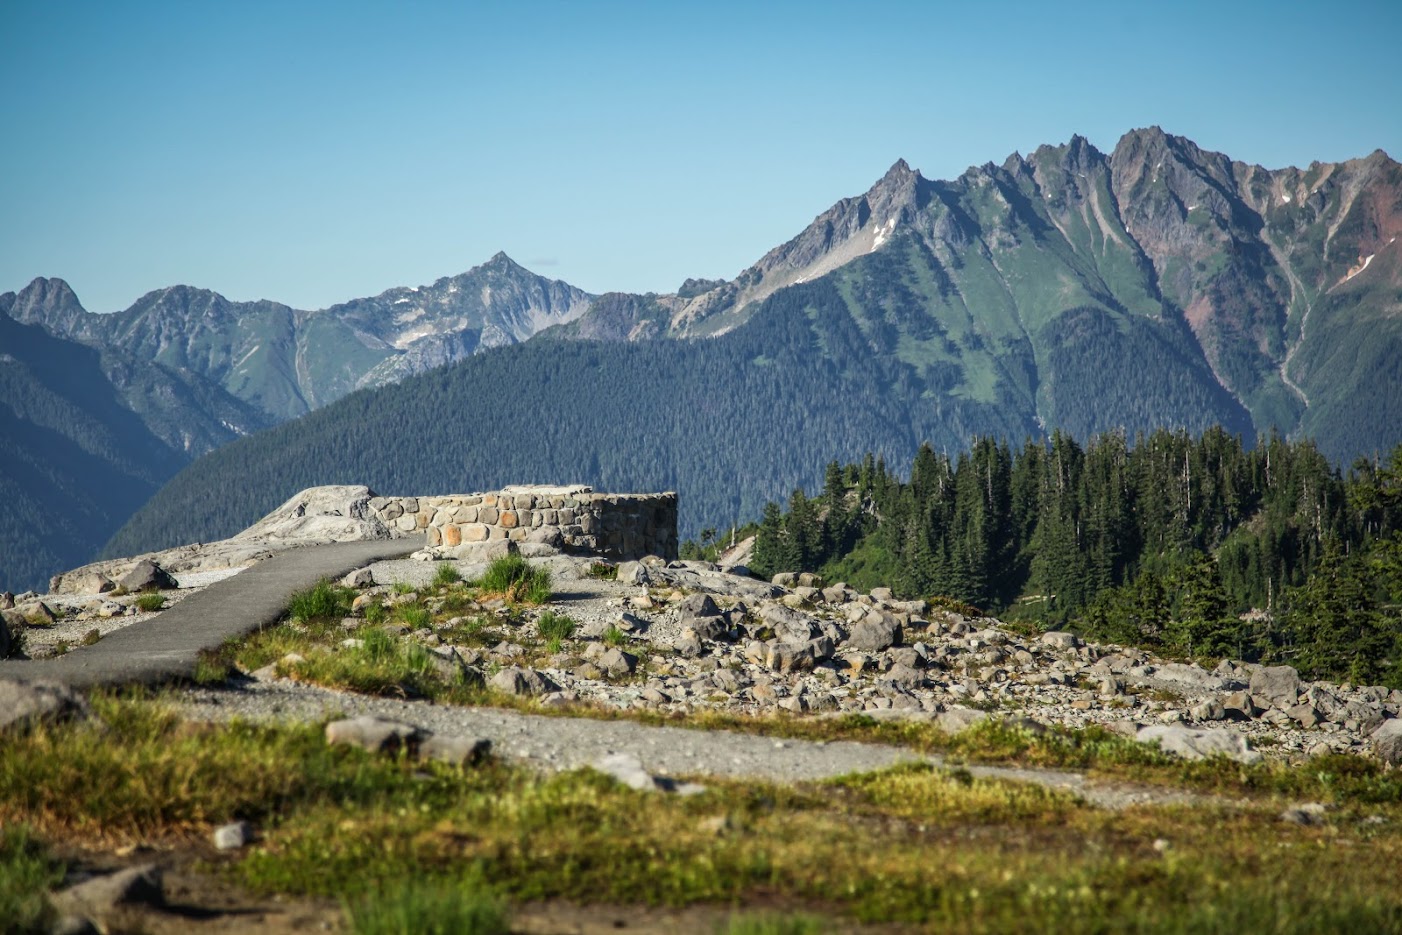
(1157, 285)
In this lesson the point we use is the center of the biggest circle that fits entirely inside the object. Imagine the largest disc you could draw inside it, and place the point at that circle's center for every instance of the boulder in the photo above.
(1056, 639)
(1280, 685)
(360, 578)
(872, 634)
(100, 896)
(376, 734)
(957, 719)
(24, 704)
(627, 768)
(327, 514)
(455, 750)
(516, 680)
(146, 575)
(1196, 743)
(789, 625)
(1387, 741)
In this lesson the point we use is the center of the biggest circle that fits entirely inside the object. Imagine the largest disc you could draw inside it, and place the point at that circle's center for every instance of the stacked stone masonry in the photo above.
(616, 526)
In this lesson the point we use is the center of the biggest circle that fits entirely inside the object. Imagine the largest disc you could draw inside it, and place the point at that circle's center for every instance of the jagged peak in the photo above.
(42, 287)
(899, 171)
(501, 259)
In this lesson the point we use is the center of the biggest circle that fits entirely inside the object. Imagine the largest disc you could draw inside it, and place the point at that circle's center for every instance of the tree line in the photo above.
(1196, 546)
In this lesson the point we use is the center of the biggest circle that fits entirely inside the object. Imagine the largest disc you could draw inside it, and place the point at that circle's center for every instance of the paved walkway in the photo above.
(168, 646)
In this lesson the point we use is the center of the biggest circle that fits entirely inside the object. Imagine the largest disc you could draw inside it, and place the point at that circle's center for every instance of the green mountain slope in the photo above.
(75, 462)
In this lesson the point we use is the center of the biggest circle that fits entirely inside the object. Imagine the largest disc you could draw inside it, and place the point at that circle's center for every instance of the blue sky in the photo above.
(313, 152)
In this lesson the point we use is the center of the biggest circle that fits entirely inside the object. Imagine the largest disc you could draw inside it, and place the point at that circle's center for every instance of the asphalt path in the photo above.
(167, 647)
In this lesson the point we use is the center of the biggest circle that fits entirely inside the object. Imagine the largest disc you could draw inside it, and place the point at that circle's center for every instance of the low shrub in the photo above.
(324, 601)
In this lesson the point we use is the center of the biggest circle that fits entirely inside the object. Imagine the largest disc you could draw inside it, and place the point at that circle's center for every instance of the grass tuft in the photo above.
(447, 574)
(517, 579)
(423, 907)
(150, 601)
(26, 874)
(555, 629)
(769, 924)
(324, 601)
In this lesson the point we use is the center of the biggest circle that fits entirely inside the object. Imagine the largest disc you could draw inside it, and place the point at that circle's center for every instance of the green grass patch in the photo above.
(613, 636)
(771, 924)
(27, 872)
(414, 616)
(150, 601)
(517, 580)
(446, 575)
(555, 629)
(603, 571)
(437, 907)
(323, 601)
(908, 845)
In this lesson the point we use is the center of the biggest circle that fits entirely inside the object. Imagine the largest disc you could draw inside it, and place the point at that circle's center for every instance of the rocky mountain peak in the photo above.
(48, 302)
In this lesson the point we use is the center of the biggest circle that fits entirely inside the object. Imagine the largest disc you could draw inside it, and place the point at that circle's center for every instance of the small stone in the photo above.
(25, 704)
(135, 886)
(360, 578)
(233, 836)
(1311, 813)
(455, 750)
(376, 734)
(1210, 710)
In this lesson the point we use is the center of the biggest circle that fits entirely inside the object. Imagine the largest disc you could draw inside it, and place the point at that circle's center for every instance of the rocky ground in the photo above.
(687, 636)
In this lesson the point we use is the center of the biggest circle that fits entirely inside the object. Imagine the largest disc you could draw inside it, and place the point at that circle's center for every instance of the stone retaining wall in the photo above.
(617, 526)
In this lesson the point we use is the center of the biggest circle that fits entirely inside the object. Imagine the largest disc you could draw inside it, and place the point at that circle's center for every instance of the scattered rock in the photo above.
(147, 575)
(1311, 813)
(1280, 685)
(516, 680)
(360, 578)
(24, 704)
(233, 836)
(376, 734)
(454, 750)
(627, 769)
(100, 896)
(1387, 741)
(1198, 743)
(1056, 639)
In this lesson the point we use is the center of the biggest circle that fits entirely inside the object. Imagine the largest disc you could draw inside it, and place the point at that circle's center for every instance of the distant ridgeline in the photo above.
(1167, 543)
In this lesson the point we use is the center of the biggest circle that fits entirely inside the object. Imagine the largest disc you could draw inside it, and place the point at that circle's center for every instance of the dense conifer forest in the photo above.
(1197, 547)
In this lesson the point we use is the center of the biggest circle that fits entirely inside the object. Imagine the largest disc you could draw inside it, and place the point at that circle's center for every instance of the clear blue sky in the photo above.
(311, 152)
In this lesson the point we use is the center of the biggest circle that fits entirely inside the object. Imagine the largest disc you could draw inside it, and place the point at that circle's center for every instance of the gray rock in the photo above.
(1387, 741)
(1209, 710)
(634, 573)
(1196, 743)
(1304, 714)
(627, 769)
(135, 886)
(515, 680)
(957, 719)
(146, 575)
(784, 579)
(376, 734)
(1280, 685)
(1239, 705)
(455, 750)
(233, 836)
(872, 634)
(1311, 813)
(789, 625)
(1056, 639)
(25, 704)
(7, 600)
(789, 657)
(616, 663)
(903, 675)
(697, 605)
(360, 578)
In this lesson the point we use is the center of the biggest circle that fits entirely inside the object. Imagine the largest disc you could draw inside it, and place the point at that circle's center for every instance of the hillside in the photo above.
(75, 462)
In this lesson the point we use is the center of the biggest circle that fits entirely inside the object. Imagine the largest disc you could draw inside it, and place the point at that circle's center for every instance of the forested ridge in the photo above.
(1198, 546)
